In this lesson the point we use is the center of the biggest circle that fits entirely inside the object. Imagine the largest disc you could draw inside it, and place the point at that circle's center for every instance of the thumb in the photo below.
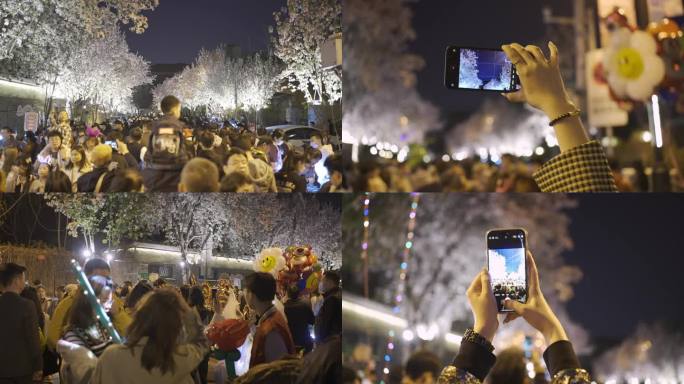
(516, 306)
(486, 283)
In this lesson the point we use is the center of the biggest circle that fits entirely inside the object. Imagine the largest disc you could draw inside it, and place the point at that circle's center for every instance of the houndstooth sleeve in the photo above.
(582, 169)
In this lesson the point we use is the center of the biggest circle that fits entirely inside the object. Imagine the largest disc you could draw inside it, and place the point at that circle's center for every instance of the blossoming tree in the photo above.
(301, 29)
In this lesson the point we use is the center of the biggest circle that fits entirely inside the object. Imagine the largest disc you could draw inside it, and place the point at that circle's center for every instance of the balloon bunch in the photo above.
(296, 265)
(639, 63)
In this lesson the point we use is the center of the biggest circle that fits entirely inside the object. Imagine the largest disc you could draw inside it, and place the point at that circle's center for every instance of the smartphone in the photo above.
(480, 69)
(507, 265)
(214, 291)
(112, 143)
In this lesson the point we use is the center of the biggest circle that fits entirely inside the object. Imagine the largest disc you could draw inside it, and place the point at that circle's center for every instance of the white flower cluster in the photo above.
(222, 83)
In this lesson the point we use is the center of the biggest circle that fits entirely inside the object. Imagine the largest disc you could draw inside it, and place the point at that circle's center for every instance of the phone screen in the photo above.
(507, 265)
(480, 69)
(112, 144)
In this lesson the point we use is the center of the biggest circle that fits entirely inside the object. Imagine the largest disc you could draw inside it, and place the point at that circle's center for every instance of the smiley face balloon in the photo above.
(270, 260)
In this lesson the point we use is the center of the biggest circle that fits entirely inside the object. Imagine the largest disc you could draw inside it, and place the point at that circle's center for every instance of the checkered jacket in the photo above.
(453, 375)
(582, 169)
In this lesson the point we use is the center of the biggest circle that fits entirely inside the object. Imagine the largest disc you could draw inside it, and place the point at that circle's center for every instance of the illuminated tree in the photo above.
(467, 72)
(115, 216)
(260, 80)
(260, 222)
(381, 102)
(103, 73)
(653, 353)
(301, 29)
(499, 127)
(223, 83)
(38, 35)
(448, 250)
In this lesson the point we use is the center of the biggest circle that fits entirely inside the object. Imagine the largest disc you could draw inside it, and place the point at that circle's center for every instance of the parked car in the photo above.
(300, 135)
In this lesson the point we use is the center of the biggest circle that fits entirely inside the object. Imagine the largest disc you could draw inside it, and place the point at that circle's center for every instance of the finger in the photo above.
(485, 282)
(476, 284)
(516, 306)
(529, 59)
(510, 317)
(533, 273)
(553, 56)
(537, 53)
(513, 55)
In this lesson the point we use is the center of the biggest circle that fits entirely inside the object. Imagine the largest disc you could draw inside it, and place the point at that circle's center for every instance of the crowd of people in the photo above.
(475, 362)
(166, 155)
(511, 174)
(469, 175)
(169, 333)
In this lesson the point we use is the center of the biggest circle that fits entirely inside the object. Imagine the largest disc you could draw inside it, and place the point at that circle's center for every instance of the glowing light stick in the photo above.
(100, 312)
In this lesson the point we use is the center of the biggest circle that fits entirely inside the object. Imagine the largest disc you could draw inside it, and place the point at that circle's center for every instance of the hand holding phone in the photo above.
(483, 305)
(542, 83)
(536, 310)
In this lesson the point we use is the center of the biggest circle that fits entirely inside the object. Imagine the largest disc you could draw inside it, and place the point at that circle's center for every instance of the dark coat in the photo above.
(161, 180)
(88, 181)
(323, 365)
(299, 316)
(20, 353)
(329, 319)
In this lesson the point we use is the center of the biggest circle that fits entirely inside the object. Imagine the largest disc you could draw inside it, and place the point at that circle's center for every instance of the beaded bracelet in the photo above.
(564, 116)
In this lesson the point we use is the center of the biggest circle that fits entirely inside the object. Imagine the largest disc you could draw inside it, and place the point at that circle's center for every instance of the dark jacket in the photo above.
(88, 181)
(134, 148)
(474, 361)
(329, 319)
(161, 180)
(124, 161)
(20, 353)
(299, 316)
(290, 182)
(323, 366)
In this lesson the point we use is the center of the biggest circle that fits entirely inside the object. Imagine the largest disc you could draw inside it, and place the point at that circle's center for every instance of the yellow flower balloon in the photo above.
(633, 66)
(270, 260)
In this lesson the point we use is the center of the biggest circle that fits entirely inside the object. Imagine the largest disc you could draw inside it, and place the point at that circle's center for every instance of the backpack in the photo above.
(167, 149)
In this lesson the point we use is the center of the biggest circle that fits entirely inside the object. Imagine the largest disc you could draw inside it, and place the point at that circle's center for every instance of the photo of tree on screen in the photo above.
(485, 69)
(507, 271)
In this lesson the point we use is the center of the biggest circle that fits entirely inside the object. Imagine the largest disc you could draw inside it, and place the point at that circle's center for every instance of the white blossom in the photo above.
(301, 29)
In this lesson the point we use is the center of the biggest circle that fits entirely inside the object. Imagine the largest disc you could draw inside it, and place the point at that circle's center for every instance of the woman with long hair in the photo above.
(58, 181)
(77, 166)
(290, 178)
(9, 156)
(19, 178)
(165, 344)
(82, 326)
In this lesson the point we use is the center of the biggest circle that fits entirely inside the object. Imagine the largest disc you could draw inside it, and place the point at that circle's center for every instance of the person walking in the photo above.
(21, 360)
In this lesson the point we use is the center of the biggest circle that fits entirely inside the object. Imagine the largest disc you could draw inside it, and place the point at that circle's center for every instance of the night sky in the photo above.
(630, 249)
(481, 23)
(178, 29)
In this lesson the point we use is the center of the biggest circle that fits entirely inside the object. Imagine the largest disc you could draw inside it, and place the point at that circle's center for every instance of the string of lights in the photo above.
(401, 287)
(364, 244)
